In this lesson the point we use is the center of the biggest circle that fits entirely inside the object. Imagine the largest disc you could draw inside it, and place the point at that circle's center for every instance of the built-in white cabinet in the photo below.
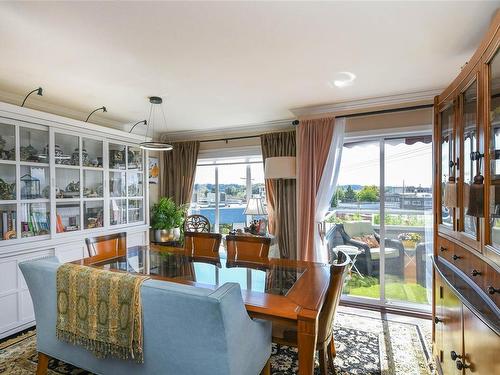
(61, 181)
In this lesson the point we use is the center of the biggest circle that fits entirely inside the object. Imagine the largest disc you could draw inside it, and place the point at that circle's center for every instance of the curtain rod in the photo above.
(297, 122)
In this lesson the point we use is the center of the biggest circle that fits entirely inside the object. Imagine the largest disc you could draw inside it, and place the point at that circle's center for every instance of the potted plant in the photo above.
(166, 220)
(409, 240)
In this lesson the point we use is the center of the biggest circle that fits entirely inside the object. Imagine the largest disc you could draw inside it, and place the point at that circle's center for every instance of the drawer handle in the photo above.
(442, 248)
(475, 272)
(492, 290)
(456, 257)
(454, 355)
(461, 365)
(437, 320)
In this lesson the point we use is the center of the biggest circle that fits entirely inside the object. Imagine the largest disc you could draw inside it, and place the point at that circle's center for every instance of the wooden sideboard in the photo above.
(466, 293)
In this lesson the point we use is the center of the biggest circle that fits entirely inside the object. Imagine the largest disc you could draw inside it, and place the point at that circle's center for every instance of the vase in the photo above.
(167, 235)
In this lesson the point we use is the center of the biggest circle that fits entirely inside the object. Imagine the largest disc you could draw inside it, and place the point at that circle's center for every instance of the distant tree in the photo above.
(337, 197)
(369, 194)
(231, 190)
(350, 194)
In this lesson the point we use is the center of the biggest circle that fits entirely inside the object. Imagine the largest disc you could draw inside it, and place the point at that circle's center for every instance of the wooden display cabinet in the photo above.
(466, 334)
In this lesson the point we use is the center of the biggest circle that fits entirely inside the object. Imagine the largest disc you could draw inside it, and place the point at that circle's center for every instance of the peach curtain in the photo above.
(313, 145)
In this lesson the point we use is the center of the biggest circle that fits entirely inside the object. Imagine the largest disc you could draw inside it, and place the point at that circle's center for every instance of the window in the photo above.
(222, 188)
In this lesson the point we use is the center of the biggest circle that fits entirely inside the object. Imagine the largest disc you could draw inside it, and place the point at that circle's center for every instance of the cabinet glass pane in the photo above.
(68, 216)
(33, 145)
(67, 183)
(35, 219)
(8, 219)
(135, 210)
(118, 211)
(134, 158)
(117, 184)
(92, 184)
(35, 182)
(91, 153)
(117, 156)
(470, 146)
(7, 142)
(93, 214)
(134, 183)
(447, 144)
(495, 150)
(67, 149)
(7, 182)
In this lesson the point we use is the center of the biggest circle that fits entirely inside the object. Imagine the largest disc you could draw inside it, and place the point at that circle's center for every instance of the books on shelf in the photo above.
(8, 225)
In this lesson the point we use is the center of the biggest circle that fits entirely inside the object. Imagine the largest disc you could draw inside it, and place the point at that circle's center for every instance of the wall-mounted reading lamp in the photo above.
(94, 111)
(39, 91)
(145, 122)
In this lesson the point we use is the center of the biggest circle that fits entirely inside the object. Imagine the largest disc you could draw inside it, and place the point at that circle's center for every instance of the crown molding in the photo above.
(233, 131)
(36, 103)
(33, 116)
(368, 104)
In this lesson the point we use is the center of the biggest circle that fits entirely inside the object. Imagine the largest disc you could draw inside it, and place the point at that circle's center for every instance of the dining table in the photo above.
(284, 291)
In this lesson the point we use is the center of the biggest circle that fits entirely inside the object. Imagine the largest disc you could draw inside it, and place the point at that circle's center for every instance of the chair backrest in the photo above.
(253, 249)
(358, 228)
(186, 329)
(338, 272)
(197, 223)
(104, 247)
(203, 246)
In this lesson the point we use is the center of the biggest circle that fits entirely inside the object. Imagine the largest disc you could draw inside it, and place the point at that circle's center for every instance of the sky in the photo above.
(408, 164)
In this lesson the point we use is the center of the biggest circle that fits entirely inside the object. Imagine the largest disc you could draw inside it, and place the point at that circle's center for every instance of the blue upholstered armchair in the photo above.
(368, 262)
(187, 330)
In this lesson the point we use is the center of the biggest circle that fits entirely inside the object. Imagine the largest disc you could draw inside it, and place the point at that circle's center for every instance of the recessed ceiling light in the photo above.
(343, 79)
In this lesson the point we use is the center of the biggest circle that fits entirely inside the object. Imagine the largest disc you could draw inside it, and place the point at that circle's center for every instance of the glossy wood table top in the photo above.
(283, 290)
(281, 285)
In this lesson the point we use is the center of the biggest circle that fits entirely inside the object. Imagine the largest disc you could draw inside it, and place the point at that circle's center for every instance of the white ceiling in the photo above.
(221, 65)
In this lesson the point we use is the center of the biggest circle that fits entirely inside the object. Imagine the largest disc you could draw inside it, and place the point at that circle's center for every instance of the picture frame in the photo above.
(153, 170)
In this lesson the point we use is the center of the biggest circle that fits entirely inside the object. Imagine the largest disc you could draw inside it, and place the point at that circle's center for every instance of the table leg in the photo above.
(306, 345)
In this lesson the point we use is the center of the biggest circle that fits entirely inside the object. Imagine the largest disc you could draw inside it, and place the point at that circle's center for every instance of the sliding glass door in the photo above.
(381, 215)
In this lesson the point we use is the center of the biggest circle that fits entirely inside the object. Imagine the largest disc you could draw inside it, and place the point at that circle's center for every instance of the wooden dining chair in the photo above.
(286, 335)
(203, 247)
(105, 247)
(251, 249)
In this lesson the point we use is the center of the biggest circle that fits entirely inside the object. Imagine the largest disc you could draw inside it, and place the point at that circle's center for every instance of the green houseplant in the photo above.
(166, 220)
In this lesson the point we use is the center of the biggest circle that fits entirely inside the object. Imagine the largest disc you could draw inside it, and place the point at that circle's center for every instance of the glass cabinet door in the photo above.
(7, 142)
(117, 156)
(7, 182)
(469, 126)
(67, 149)
(33, 145)
(495, 150)
(91, 153)
(447, 159)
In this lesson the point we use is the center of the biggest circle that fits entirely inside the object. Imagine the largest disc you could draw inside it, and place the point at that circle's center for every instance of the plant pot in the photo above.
(167, 235)
(409, 244)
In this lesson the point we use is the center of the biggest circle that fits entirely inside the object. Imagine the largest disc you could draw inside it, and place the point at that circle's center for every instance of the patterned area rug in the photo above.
(365, 345)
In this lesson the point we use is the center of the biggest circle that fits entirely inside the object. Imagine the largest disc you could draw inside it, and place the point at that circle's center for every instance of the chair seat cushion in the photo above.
(390, 252)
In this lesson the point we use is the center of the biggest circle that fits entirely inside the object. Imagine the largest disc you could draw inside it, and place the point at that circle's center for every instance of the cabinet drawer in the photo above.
(445, 248)
(492, 279)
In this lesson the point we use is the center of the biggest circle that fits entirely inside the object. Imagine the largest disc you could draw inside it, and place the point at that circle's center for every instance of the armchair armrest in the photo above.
(395, 244)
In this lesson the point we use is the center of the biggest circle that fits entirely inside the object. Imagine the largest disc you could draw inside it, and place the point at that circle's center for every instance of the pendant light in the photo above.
(155, 110)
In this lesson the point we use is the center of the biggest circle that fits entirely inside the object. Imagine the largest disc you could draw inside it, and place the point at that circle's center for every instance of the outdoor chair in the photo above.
(368, 261)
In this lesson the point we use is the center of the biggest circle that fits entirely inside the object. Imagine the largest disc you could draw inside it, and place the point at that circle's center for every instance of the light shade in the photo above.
(255, 207)
(280, 167)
